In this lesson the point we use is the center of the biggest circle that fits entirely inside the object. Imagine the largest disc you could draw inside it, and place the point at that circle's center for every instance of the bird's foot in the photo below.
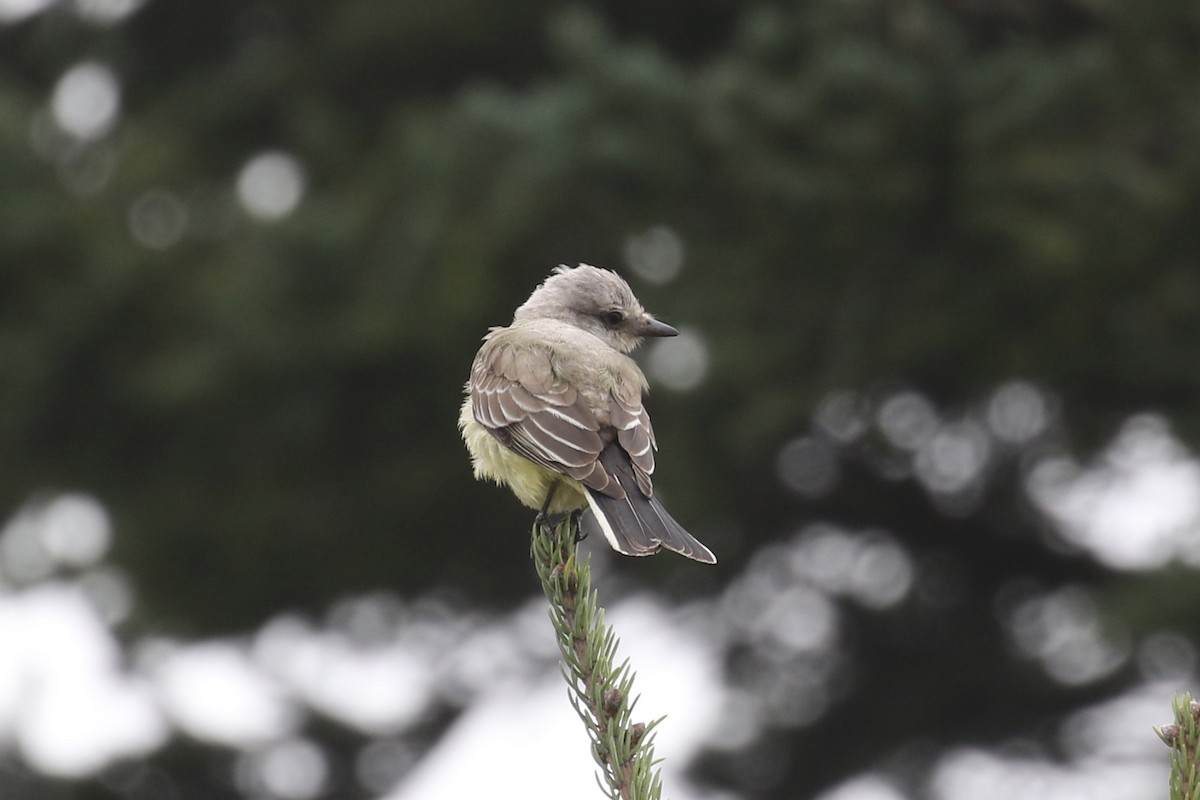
(544, 519)
(550, 522)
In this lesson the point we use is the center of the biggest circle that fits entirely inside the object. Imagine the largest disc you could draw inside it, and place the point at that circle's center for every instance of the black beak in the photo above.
(649, 326)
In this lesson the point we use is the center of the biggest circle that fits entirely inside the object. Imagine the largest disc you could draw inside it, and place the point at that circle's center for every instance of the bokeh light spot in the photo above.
(158, 219)
(1136, 508)
(681, 362)
(907, 419)
(870, 567)
(295, 769)
(882, 572)
(76, 530)
(953, 457)
(801, 619)
(798, 692)
(655, 256)
(380, 765)
(216, 694)
(77, 722)
(840, 415)
(1062, 630)
(377, 688)
(824, 555)
(808, 466)
(1017, 412)
(271, 185)
(86, 100)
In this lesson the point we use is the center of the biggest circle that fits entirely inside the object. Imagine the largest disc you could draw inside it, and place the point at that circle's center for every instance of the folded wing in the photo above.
(518, 398)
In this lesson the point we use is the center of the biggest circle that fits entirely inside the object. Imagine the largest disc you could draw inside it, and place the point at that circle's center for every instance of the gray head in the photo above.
(595, 300)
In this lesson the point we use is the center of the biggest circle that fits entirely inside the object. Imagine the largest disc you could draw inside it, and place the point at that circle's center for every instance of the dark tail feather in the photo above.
(637, 525)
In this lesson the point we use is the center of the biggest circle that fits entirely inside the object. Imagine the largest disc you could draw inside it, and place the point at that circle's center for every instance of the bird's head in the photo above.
(596, 300)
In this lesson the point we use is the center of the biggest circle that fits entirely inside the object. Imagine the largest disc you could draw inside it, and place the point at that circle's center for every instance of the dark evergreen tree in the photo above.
(871, 197)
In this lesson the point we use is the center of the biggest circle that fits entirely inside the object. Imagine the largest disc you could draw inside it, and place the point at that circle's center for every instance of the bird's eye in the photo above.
(612, 318)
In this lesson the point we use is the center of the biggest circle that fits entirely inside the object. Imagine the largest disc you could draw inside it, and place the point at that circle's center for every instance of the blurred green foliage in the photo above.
(911, 193)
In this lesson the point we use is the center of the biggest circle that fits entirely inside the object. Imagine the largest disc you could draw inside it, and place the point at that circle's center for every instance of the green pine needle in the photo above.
(601, 694)
(1183, 737)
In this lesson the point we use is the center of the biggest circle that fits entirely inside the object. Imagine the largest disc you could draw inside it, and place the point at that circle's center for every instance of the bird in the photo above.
(553, 410)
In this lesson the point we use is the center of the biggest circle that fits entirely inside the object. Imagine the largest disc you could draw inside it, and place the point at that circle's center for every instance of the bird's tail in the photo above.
(637, 525)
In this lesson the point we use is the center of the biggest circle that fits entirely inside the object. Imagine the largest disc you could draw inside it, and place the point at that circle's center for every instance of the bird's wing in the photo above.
(635, 434)
(518, 398)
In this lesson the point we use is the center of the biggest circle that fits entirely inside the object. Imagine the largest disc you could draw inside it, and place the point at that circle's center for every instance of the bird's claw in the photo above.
(549, 522)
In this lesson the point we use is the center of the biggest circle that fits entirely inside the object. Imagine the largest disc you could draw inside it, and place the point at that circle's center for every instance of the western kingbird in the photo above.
(554, 411)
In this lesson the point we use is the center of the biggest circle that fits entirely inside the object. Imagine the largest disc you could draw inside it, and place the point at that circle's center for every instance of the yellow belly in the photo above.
(528, 481)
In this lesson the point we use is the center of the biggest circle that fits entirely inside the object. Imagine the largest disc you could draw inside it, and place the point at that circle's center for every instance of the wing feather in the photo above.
(518, 398)
(634, 434)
